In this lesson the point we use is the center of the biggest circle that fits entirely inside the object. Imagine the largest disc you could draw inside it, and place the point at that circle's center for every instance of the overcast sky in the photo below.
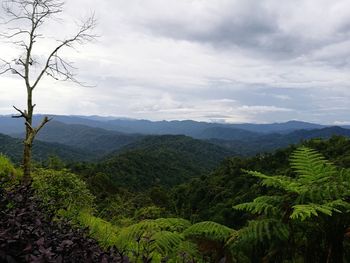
(208, 60)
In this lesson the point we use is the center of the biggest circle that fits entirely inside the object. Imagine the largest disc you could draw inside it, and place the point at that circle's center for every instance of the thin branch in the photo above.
(42, 124)
(82, 36)
(7, 66)
(22, 114)
(19, 32)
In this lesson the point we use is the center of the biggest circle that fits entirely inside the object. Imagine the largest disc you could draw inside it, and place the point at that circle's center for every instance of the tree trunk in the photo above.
(28, 142)
(27, 159)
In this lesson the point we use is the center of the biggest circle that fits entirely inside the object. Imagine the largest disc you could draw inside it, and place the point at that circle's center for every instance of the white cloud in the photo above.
(224, 60)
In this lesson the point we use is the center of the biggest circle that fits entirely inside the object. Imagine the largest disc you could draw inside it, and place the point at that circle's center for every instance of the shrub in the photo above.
(9, 176)
(28, 234)
(62, 190)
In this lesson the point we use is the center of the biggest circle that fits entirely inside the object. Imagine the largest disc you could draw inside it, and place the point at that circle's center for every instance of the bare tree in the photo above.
(24, 18)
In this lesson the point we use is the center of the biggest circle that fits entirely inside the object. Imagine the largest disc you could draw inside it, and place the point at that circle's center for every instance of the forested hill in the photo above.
(252, 143)
(96, 140)
(180, 143)
(13, 148)
(158, 160)
(211, 197)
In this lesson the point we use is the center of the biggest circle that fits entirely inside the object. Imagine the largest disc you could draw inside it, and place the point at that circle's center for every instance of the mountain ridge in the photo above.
(133, 126)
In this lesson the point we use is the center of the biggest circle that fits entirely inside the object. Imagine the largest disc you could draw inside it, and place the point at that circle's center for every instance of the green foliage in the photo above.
(54, 163)
(210, 231)
(314, 197)
(155, 161)
(13, 148)
(173, 224)
(212, 239)
(158, 239)
(267, 205)
(104, 232)
(62, 190)
(9, 175)
(149, 212)
(290, 213)
(263, 230)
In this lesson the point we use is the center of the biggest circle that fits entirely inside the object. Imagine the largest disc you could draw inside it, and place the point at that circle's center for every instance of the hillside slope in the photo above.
(12, 148)
(96, 140)
(157, 160)
(271, 142)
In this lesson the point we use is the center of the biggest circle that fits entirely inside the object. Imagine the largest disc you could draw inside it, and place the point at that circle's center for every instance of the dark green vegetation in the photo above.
(13, 148)
(98, 137)
(95, 140)
(288, 206)
(172, 198)
(295, 209)
(253, 144)
(155, 161)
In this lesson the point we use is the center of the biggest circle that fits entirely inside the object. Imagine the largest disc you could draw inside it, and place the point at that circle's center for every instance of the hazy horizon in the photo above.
(111, 117)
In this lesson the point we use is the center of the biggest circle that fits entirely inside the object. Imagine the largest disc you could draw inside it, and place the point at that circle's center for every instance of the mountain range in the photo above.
(86, 138)
(191, 128)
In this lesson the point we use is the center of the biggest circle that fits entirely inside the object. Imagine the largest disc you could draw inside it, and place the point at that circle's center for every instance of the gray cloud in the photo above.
(222, 60)
(282, 30)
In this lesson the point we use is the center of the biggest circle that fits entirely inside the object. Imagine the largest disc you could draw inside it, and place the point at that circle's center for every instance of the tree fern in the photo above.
(212, 239)
(156, 239)
(319, 189)
(267, 205)
(303, 212)
(166, 242)
(173, 224)
(263, 230)
(311, 165)
(209, 231)
(279, 182)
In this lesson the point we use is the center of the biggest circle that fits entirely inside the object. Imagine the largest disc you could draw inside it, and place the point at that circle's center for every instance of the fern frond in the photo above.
(159, 237)
(188, 250)
(166, 242)
(263, 229)
(311, 166)
(306, 211)
(279, 182)
(211, 231)
(136, 231)
(267, 205)
(173, 224)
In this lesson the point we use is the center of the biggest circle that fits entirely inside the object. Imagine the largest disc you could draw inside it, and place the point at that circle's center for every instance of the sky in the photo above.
(232, 61)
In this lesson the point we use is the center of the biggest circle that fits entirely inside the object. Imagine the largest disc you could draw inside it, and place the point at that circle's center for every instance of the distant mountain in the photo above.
(95, 140)
(188, 127)
(270, 142)
(225, 133)
(200, 150)
(284, 127)
(10, 125)
(159, 160)
(103, 135)
(13, 148)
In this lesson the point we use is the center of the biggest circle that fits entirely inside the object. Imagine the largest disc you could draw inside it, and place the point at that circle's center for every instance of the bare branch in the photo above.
(27, 16)
(61, 68)
(15, 34)
(23, 114)
(42, 124)
(7, 66)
